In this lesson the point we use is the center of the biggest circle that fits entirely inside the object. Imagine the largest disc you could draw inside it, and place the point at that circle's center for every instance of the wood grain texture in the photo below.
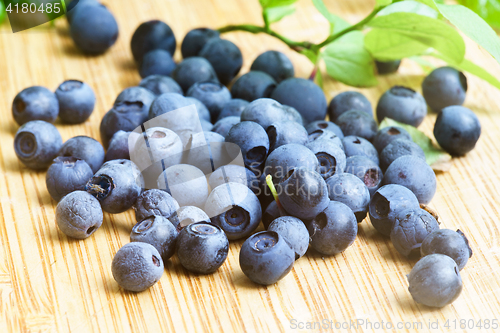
(49, 283)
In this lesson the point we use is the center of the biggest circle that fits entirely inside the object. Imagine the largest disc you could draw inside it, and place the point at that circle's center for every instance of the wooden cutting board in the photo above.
(49, 283)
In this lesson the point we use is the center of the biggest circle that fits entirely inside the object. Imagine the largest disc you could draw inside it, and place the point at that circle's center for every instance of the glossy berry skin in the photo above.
(37, 143)
(294, 232)
(137, 266)
(402, 104)
(234, 208)
(187, 215)
(454, 244)
(398, 148)
(331, 158)
(350, 190)
(84, 148)
(347, 101)
(156, 62)
(285, 132)
(303, 95)
(186, 183)
(325, 125)
(358, 123)
(192, 70)
(119, 146)
(195, 39)
(266, 258)
(287, 157)
(154, 202)
(160, 84)
(253, 85)
(303, 193)
(457, 130)
(366, 170)
(235, 174)
(444, 86)
(388, 134)
(126, 116)
(65, 175)
(266, 111)
(334, 229)
(202, 247)
(78, 215)
(253, 142)
(76, 101)
(387, 67)
(225, 57)
(435, 281)
(355, 145)
(93, 29)
(411, 228)
(152, 35)
(157, 231)
(35, 103)
(415, 174)
(275, 64)
(213, 94)
(115, 187)
(224, 125)
(270, 214)
(233, 107)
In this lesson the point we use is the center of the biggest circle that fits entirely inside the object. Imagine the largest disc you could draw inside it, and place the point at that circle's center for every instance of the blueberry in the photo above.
(37, 143)
(157, 231)
(266, 258)
(274, 63)
(35, 103)
(358, 123)
(213, 94)
(193, 70)
(115, 187)
(304, 95)
(444, 86)
(291, 113)
(270, 214)
(118, 146)
(207, 151)
(174, 115)
(235, 174)
(225, 57)
(387, 67)
(347, 101)
(388, 134)
(233, 107)
(84, 148)
(334, 229)
(160, 84)
(202, 247)
(266, 111)
(288, 157)
(224, 125)
(125, 116)
(130, 167)
(435, 281)
(93, 29)
(457, 130)
(294, 232)
(71, 8)
(285, 132)
(65, 175)
(152, 35)
(253, 85)
(206, 125)
(137, 266)
(350, 190)
(136, 94)
(325, 135)
(386, 203)
(253, 142)
(234, 208)
(156, 62)
(195, 39)
(415, 174)
(202, 110)
(187, 215)
(366, 170)
(331, 157)
(76, 101)
(154, 202)
(454, 244)
(402, 104)
(398, 148)
(355, 145)
(303, 193)
(324, 125)
(187, 184)
(78, 215)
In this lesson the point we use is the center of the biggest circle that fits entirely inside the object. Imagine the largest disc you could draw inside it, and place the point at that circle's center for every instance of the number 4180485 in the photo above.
(25, 8)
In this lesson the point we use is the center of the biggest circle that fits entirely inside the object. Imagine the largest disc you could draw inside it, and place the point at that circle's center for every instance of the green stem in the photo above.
(269, 181)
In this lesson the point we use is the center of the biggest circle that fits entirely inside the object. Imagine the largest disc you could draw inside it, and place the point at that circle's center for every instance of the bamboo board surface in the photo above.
(49, 283)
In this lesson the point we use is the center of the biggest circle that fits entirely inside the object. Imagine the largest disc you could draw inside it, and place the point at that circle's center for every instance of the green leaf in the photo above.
(313, 56)
(276, 3)
(275, 14)
(429, 3)
(409, 7)
(382, 3)
(336, 23)
(348, 61)
(489, 10)
(386, 45)
(473, 26)
(428, 31)
(3, 13)
(437, 158)
(319, 78)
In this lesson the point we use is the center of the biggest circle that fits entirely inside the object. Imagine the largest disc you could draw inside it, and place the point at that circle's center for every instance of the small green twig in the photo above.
(269, 181)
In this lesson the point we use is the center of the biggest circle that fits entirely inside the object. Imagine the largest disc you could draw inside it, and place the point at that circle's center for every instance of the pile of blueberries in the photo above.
(309, 180)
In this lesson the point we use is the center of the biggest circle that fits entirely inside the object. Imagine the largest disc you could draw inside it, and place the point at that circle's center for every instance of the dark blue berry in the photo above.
(331, 157)
(266, 111)
(152, 35)
(187, 215)
(294, 232)
(270, 214)
(398, 148)
(387, 67)
(195, 39)
(454, 244)
(324, 125)
(350, 190)
(202, 110)
(192, 70)
(156, 62)
(136, 94)
(65, 175)
(388, 134)
(224, 125)
(160, 84)
(225, 57)
(84, 148)
(274, 63)
(358, 123)
(288, 157)
(157, 231)
(285, 132)
(253, 85)
(154, 202)
(347, 101)
(355, 145)
(35, 103)
(78, 215)
(213, 94)
(76, 101)
(118, 146)
(234, 107)
(402, 104)
(444, 86)
(125, 116)
(366, 170)
(253, 142)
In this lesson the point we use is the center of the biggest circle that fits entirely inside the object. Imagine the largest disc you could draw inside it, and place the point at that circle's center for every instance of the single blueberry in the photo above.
(454, 244)
(157, 231)
(347, 101)
(358, 123)
(84, 148)
(76, 101)
(325, 135)
(288, 157)
(398, 148)
(213, 94)
(355, 145)
(274, 63)
(253, 142)
(65, 175)
(387, 67)
(160, 84)
(285, 132)
(366, 170)
(78, 215)
(136, 94)
(444, 86)
(225, 57)
(266, 111)
(402, 104)
(154, 202)
(152, 35)
(350, 190)
(294, 232)
(195, 39)
(35, 103)
(331, 157)
(192, 70)
(253, 85)
(156, 62)
(125, 116)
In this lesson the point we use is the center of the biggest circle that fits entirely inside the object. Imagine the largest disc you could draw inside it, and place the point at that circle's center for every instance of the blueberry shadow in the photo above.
(63, 31)
(241, 281)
